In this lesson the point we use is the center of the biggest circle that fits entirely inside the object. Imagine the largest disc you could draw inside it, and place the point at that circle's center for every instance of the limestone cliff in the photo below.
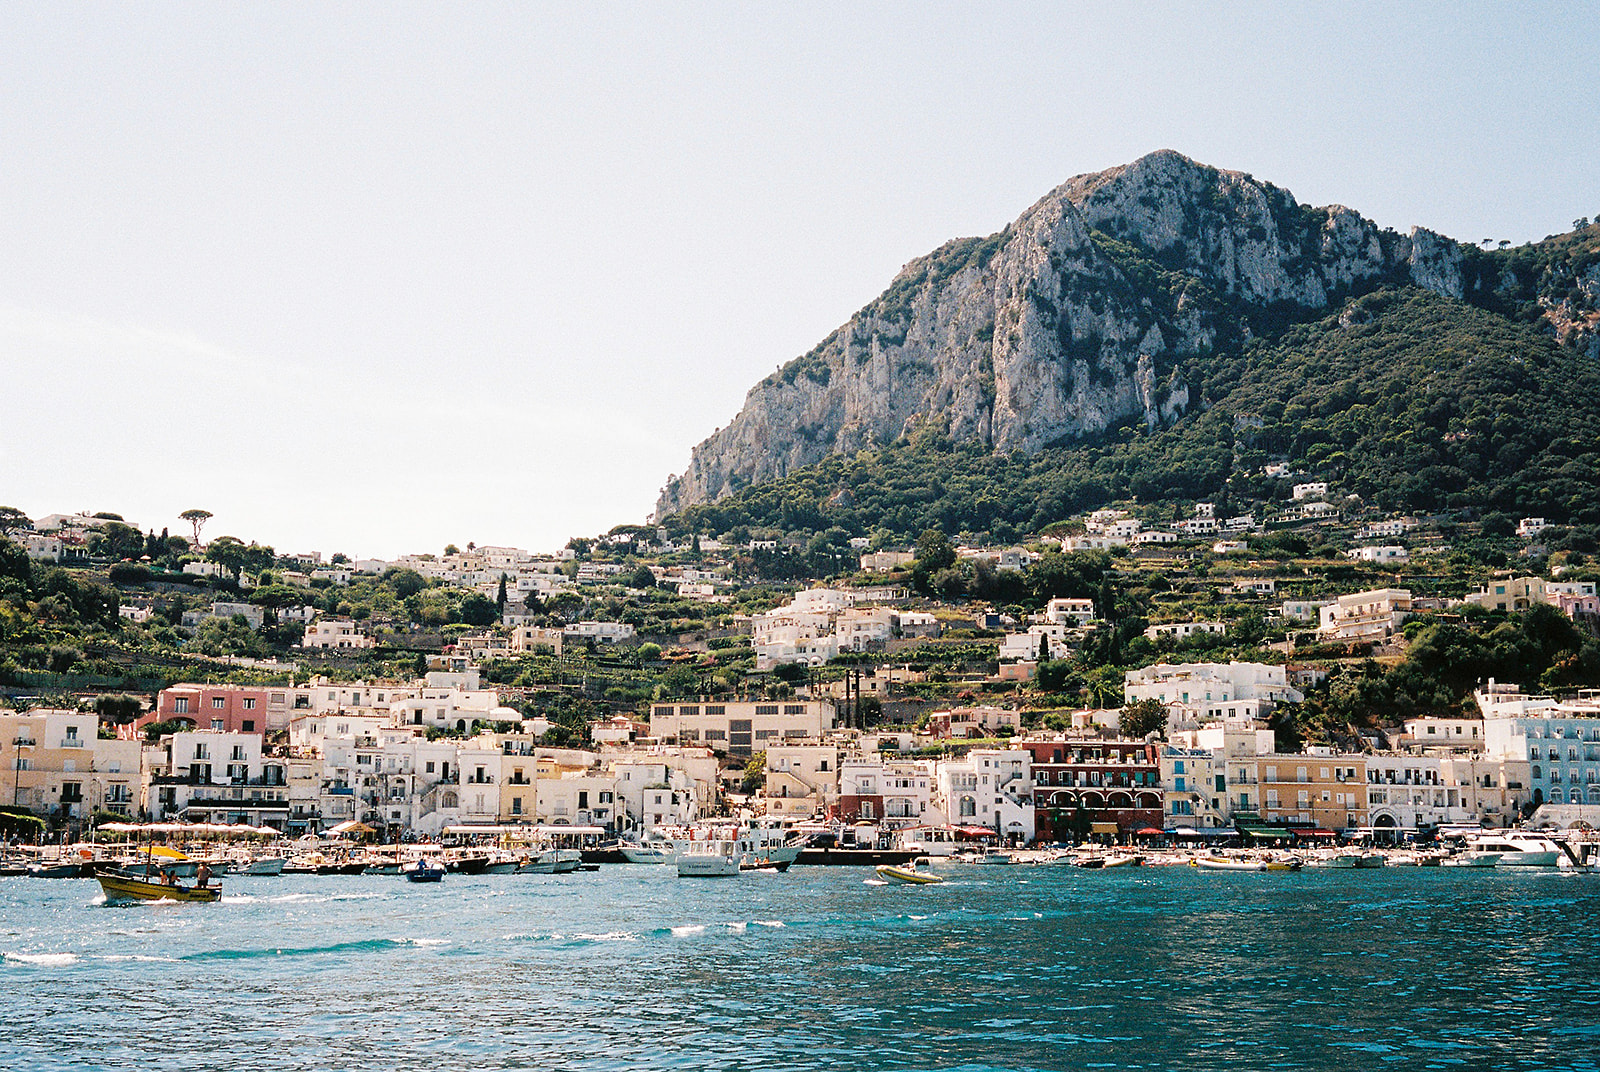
(1080, 315)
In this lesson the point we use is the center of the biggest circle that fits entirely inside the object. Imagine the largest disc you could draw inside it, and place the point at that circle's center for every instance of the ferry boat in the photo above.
(709, 859)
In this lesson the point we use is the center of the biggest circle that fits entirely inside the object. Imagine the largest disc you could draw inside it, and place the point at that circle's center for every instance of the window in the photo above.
(217, 724)
(181, 705)
(218, 702)
(766, 709)
(249, 705)
(248, 725)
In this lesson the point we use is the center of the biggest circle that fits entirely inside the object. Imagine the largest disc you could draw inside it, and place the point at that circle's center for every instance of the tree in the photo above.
(197, 518)
(934, 551)
(642, 578)
(227, 552)
(13, 520)
(476, 609)
(755, 773)
(1143, 717)
(451, 549)
(500, 595)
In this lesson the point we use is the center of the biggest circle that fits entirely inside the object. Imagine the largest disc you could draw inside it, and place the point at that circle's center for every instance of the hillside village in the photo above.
(1299, 672)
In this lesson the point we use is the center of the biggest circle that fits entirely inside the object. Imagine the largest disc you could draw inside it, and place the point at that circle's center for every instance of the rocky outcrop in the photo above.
(1078, 317)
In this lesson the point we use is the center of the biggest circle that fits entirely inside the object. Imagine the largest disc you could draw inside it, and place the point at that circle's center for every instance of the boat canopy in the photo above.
(1204, 832)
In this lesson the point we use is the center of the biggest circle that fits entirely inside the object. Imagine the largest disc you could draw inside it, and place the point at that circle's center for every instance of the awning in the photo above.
(1104, 828)
(1206, 832)
(1316, 832)
(1265, 833)
(976, 831)
(1149, 831)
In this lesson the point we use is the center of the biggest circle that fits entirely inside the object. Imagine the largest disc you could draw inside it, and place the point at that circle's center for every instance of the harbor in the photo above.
(630, 968)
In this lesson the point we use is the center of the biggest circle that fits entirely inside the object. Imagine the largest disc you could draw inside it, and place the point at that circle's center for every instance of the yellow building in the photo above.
(1324, 790)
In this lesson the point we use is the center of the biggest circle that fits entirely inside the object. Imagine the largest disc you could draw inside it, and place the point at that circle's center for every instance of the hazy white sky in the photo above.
(375, 278)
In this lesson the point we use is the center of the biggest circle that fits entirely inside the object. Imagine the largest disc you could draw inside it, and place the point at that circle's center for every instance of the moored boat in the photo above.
(1518, 848)
(1228, 863)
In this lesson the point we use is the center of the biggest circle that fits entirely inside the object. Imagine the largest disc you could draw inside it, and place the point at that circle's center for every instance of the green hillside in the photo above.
(1413, 401)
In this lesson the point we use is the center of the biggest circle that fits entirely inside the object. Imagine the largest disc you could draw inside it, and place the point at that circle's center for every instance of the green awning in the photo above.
(1266, 833)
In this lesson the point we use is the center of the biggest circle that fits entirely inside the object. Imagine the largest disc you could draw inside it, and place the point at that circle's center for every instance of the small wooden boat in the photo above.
(128, 887)
(907, 876)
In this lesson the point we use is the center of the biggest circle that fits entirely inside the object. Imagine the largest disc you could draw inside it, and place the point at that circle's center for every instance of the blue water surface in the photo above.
(630, 967)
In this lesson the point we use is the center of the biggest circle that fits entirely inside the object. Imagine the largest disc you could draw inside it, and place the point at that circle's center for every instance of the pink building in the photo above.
(229, 708)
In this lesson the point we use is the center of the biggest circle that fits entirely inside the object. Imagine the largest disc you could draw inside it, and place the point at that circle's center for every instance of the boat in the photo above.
(424, 870)
(1122, 859)
(906, 876)
(660, 852)
(1343, 859)
(262, 866)
(551, 862)
(501, 862)
(1473, 858)
(65, 869)
(1228, 863)
(709, 859)
(1518, 848)
(996, 857)
(128, 886)
(748, 862)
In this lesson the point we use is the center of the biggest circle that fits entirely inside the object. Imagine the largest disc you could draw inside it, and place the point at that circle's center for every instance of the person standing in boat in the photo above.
(203, 876)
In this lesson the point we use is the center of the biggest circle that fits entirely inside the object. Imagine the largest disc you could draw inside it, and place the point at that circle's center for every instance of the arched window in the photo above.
(447, 801)
(969, 807)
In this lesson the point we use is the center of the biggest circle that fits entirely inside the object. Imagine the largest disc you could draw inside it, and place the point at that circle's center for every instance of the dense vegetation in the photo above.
(1412, 401)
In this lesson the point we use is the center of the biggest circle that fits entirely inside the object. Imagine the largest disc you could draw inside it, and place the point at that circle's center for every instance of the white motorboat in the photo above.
(657, 852)
(995, 856)
(709, 859)
(262, 866)
(1473, 858)
(1518, 848)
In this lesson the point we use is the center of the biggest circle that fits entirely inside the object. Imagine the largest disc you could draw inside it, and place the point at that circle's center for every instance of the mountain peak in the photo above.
(1084, 313)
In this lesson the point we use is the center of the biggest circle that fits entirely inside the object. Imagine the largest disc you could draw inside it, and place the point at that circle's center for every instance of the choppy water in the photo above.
(632, 968)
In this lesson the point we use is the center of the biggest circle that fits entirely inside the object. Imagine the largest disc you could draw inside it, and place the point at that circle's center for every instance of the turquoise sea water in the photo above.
(820, 968)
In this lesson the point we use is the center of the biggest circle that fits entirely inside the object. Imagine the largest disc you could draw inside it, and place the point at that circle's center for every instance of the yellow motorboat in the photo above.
(906, 876)
(127, 887)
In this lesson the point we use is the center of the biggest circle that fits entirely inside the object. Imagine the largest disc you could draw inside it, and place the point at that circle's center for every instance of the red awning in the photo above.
(976, 831)
(1317, 832)
(1149, 831)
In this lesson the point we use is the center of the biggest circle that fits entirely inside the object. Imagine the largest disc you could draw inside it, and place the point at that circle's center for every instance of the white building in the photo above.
(1391, 553)
(991, 788)
(1199, 693)
(741, 727)
(1185, 630)
(1316, 490)
(600, 632)
(335, 633)
(1365, 617)
(1069, 611)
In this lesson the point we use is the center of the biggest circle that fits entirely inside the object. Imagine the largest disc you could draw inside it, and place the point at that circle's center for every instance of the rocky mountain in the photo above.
(1102, 304)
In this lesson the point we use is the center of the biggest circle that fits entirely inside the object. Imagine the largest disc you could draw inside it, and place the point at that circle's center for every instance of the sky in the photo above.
(375, 278)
